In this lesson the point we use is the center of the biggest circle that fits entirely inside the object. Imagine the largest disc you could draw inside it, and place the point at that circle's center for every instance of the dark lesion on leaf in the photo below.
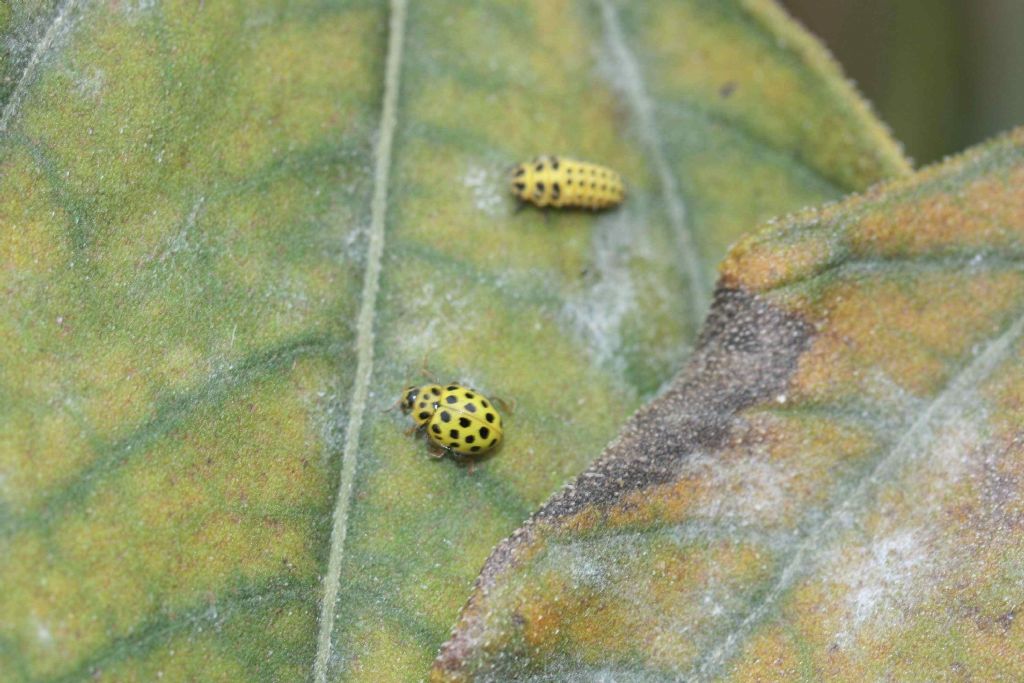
(746, 354)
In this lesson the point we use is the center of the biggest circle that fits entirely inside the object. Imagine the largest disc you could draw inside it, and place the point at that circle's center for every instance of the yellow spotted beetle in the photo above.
(457, 419)
(564, 183)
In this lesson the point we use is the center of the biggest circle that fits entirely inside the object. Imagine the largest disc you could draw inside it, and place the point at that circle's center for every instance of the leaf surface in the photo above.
(233, 231)
(831, 489)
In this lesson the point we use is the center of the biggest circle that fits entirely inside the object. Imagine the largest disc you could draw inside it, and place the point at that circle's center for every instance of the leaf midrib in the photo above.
(364, 340)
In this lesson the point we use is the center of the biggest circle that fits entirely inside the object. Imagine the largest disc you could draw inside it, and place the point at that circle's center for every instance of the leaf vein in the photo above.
(38, 53)
(364, 340)
(643, 109)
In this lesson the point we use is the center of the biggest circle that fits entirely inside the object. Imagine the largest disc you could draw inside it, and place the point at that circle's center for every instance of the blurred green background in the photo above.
(944, 74)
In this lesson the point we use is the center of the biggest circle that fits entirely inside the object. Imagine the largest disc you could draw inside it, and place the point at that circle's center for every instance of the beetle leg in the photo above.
(508, 406)
(425, 371)
(393, 406)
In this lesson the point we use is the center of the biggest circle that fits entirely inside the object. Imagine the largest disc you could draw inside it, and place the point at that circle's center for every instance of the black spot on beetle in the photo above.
(470, 438)
(484, 432)
(554, 163)
(410, 398)
(520, 186)
(454, 433)
(424, 415)
(489, 417)
(556, 189)
(435, 429)
(470, 395)
(452, 387)
(463, 421)
(520, 171)
(451, 399)
(493, 441)
(446, 416)
(471, 407)
(484, 403)
(540, 166)
(436, 391)
(540, 186)
(474, 449)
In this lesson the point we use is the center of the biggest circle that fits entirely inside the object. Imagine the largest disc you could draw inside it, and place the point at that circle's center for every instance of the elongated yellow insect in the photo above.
(561, 183)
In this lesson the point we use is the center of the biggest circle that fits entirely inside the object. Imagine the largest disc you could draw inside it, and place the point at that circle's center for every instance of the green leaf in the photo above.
(831, 489)
(233, 231)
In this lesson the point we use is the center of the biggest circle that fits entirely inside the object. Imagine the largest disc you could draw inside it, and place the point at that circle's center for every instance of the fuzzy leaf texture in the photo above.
(232, 231)
(831, 490)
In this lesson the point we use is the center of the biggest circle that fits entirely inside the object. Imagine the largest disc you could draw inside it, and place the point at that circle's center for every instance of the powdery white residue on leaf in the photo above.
(747, 491)
(427, 325)
(130, 8)
(619, 66)
(599, 570)
(187, 239)
(43, 633)
(487, 188)
(880, 580)
(956, 452)
(89, 83)
(598, 313)
(882, 389)
(892, 572)
(421, 340)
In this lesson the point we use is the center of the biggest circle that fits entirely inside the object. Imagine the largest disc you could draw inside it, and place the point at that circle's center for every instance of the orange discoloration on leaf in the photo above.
(668, 502)
(933, 308)
(582, 522)
(751, 267)
(856, 316)
(32, 246)
(773, 655)
(978, 217)
(596, 644)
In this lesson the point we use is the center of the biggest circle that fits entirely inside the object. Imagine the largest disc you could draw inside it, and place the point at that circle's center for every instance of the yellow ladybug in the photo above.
(457, 419)
(558, 182)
